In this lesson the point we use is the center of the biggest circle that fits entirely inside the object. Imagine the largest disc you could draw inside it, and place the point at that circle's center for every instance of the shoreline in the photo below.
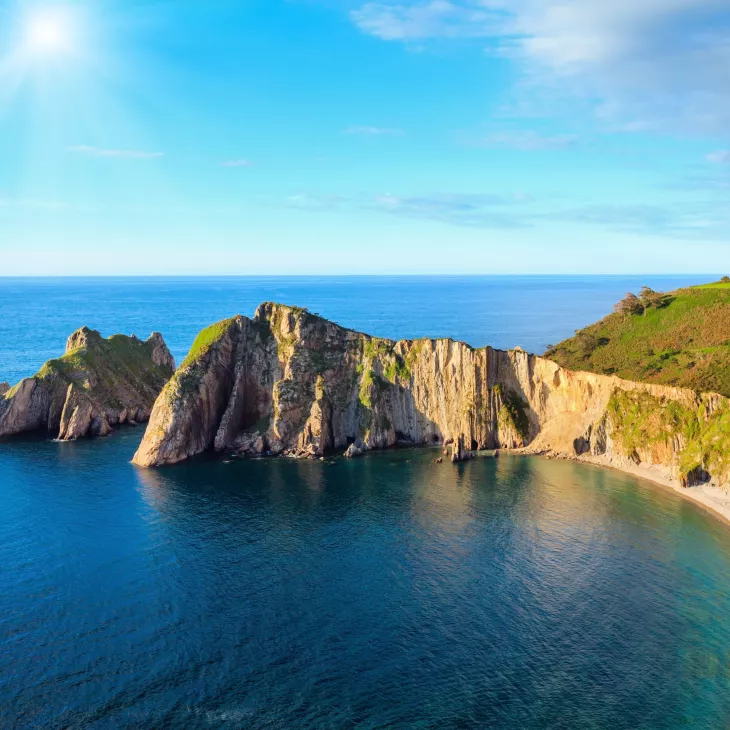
(711, 499)
(714, 500)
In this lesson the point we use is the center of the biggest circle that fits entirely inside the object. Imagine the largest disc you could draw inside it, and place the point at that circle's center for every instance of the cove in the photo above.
(383, 592)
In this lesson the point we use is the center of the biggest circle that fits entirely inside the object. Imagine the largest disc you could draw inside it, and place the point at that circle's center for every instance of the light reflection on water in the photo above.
(381, 592)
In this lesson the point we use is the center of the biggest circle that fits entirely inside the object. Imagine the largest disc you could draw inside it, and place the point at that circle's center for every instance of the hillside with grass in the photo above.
(677, 338)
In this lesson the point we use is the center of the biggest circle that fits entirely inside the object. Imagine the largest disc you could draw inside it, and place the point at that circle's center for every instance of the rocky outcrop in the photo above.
(97, 384)
(4, 388)
(289, 382)
(159, 354)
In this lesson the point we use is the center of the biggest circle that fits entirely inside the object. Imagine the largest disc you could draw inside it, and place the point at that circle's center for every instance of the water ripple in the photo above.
(388, 592)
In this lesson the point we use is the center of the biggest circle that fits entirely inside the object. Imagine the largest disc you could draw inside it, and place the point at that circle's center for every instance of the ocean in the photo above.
(383, 592)
(37, 315)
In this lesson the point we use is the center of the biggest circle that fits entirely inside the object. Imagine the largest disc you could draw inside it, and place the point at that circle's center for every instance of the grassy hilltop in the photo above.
(679, 338)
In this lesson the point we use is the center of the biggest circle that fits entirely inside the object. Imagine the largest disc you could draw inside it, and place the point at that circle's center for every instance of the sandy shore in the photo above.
(712, 499)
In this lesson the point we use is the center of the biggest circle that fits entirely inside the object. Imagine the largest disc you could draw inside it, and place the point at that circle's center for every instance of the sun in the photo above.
(49, 33)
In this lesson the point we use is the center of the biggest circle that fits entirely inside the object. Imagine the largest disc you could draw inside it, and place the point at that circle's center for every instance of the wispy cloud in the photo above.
(32, 204)
(689, 221)
(237, 163)
(713, 182)
(468, 209)
(720, 157)
(424, 20)
(307, 201)
(526, 141)
(472, 210)
(374, 131)
(654, 64)
(127, 154)
(704, 221)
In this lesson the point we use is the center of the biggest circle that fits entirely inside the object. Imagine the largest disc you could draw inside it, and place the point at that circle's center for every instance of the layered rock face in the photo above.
(289, 382)
(96, 385)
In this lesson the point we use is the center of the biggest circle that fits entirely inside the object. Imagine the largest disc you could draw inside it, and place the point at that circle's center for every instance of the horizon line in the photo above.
(353, 275)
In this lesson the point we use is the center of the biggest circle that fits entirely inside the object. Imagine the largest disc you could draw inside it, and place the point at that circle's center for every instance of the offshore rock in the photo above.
(4, 388)
(459, 452)
(97, 384)
(353, 450)
(289, 382)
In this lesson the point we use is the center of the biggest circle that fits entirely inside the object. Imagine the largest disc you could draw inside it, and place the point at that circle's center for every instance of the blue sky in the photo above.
(342, 136)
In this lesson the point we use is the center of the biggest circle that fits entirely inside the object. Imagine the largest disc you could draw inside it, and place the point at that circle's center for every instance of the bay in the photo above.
(385, 592)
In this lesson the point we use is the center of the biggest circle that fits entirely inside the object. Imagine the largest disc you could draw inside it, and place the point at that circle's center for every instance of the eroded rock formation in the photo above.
(289, 382)
(96, 385)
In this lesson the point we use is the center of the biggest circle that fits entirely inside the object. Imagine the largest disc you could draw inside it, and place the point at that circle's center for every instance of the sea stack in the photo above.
(97, 384)
(288, 382)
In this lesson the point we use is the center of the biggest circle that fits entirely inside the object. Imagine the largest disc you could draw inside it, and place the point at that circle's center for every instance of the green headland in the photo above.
(679, 338)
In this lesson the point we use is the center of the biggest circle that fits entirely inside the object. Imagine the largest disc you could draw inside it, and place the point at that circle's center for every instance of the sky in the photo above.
(348, 136)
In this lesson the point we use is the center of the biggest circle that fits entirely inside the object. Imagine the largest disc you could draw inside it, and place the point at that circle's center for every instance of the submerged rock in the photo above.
(289, 382)
(97, 384)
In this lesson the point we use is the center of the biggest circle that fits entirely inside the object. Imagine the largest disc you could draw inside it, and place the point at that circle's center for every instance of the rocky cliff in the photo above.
(97, 384)
(289, 382)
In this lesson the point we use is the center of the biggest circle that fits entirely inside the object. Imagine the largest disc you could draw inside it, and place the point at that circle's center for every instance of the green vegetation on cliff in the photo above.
(513, 412)
(642, 422)
(681, 339)
(205, 339)
(710, 448)
(107, 367)
(366, 386)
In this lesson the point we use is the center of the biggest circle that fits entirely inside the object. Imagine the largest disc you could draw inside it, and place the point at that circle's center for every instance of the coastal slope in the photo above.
(289, 382)
(97, 384)
(679, 338)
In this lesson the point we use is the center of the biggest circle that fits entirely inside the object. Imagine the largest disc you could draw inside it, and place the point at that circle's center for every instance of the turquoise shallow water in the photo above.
(385, 592)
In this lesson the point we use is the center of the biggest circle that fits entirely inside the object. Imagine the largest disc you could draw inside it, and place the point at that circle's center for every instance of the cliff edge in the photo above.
(289, 382)
(97, 384)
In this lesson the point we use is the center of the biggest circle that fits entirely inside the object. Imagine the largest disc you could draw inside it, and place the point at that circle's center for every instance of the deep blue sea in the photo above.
(37, 315)
(384, 592)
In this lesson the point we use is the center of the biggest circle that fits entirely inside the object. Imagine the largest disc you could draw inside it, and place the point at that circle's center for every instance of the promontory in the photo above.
(288, 382)
(97, 384)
